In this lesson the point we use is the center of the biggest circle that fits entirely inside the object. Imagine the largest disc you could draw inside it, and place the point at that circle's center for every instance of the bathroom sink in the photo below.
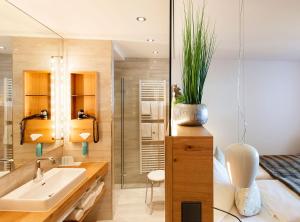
(42, 195)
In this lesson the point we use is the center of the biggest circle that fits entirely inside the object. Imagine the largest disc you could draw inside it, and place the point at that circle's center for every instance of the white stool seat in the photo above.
(156, 175)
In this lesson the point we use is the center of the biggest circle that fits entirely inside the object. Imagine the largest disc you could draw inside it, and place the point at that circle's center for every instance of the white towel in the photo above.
(94, 194)
(154, 110)
(146, 130)
(75, 215)
(91, 201)
(155, 131)
(99, 188)
(161, 107)
(161, 135)
(146, 108)
(85, 201)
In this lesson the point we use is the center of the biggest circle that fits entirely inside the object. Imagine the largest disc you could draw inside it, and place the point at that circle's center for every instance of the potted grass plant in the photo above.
(198, 48)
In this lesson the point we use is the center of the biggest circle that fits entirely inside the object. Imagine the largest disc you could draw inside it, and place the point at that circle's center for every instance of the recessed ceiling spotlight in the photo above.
(141, 19)
(2, 47)
(150, 40)
(155, 52)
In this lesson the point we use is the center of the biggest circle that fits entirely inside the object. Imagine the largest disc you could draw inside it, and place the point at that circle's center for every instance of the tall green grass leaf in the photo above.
(198, 49)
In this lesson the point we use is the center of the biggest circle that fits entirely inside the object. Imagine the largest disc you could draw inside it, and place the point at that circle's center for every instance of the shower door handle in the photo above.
(122, 133)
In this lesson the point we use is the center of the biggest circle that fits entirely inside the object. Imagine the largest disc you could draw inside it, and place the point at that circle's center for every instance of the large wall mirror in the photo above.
(26, 49)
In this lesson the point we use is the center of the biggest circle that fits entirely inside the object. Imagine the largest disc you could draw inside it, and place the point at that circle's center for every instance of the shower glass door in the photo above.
(127, 153)
(133, 156)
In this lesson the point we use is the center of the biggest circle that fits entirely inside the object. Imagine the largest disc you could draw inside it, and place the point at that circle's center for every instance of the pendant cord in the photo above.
(241, 107)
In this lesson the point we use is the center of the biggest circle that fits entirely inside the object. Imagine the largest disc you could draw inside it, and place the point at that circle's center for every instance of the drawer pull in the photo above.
(193, 148)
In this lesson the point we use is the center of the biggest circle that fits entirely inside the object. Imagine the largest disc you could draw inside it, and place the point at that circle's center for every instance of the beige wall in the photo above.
(28, 54)
(92, 55)
(132, 70)
(272, 104)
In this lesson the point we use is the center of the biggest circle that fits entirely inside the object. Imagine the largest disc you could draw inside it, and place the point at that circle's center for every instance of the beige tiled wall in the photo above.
(132, 70)
(28, 54)
(93, 55)
(5, 71)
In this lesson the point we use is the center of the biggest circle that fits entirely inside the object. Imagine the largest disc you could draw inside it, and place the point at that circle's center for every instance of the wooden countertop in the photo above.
(93, 170)
(190, 131)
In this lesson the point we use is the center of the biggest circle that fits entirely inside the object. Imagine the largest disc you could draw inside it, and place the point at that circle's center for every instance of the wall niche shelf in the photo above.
(83, 97)
(37, 97)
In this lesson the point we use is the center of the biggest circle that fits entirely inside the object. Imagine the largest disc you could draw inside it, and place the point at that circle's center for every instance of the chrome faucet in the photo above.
(11, 163)
(39, 172)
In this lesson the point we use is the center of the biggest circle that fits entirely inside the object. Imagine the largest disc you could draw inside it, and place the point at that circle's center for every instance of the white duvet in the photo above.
(263, 216)
(280, 204)
(279, 200)
(263, 174)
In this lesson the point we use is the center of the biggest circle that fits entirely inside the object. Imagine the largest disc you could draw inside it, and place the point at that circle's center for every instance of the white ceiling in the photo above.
(107, 19)
(15, 23)
(271, 26)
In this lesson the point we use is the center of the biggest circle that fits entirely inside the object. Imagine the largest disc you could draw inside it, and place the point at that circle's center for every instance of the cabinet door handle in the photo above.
(193, 148)
(175, 159)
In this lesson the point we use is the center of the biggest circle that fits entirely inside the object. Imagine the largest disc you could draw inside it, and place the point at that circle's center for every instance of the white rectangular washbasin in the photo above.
(41, 196)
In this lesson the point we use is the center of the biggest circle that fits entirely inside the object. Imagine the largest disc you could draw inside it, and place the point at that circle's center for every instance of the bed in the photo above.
(263, 216)
(285, 168)
(280, 203)
(263, 174)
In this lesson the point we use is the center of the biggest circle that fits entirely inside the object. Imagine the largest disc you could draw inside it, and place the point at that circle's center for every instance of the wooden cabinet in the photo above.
(83, 97)
(189, 172)
(37, 97)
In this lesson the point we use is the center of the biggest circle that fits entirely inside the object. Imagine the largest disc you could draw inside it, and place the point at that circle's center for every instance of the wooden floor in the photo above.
(131, 206)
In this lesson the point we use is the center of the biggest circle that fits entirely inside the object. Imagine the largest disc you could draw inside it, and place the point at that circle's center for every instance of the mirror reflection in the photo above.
(6, 94)
(26, 48)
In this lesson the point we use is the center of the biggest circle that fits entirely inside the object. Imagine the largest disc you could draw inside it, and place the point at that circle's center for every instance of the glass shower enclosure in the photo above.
(141, 119)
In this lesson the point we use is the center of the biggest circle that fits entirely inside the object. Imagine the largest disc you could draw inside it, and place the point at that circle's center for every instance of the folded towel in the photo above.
(85, 201)
(146, 108)
(161, 134)
(161, 107)
(155, 131)
(99, 188)
(146, 130)
(75, 215)
(154, 110)
(91, 201)
(7, 139)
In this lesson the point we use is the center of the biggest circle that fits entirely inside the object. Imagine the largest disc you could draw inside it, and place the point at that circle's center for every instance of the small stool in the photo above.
(156, 176)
